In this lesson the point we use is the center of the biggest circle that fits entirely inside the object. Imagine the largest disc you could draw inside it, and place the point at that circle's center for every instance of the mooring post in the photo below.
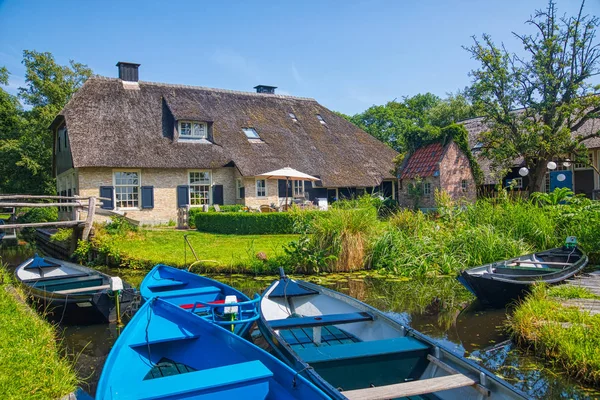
(90, 218)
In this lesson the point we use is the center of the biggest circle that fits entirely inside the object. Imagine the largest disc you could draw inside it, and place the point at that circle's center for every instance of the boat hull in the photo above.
(497, 286)
(186, 289)
(168, 352)
(95, 306)
(376, 351)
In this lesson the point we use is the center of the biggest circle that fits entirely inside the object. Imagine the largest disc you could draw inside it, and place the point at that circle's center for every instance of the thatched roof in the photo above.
(110, 126)
(475, 126)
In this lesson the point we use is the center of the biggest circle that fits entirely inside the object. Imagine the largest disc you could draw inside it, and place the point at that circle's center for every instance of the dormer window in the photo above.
(251, 133)
(293, 117)
(193, 130)
(320, 118)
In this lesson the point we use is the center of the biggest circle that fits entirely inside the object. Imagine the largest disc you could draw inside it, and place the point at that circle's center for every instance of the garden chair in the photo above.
(217, 208)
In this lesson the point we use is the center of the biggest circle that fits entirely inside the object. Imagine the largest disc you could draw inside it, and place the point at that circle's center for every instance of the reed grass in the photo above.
(31, 363)
(566, 336)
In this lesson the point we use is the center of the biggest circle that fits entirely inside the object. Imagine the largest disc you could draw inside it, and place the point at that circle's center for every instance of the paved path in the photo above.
(591, 282)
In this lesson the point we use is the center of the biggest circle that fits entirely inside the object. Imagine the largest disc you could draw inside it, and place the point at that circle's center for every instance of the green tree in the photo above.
(535, 103)
(26, 146)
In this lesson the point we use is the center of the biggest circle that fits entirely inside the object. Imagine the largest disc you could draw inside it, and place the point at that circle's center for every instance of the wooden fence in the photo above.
(75, 204)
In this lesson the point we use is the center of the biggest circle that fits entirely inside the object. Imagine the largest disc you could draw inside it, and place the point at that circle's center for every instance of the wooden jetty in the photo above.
(590, 281)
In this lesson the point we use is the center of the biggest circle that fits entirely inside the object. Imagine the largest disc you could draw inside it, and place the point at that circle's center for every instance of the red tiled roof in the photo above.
(423, 162)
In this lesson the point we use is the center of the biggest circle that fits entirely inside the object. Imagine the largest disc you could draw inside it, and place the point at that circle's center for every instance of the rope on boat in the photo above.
(149, 318)
(298, 373)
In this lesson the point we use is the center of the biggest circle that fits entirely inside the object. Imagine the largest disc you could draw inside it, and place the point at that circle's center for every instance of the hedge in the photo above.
(244, 223)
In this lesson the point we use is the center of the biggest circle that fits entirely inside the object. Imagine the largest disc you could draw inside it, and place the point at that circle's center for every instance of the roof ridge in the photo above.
(180, 86)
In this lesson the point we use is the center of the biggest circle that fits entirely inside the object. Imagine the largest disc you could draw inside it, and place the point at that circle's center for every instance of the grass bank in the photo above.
(31, 364)
(144, 248)
(567, 337)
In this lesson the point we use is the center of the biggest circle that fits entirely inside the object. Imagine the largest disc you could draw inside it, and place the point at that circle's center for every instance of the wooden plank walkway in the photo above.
(591, 282)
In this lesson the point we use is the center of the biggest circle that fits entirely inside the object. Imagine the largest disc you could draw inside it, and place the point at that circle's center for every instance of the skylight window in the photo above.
(293, 117)
(321, 120)
(251, 133)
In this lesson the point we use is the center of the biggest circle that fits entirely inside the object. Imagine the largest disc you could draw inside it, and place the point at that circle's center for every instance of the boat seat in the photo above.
(190, 292)
(320, 320)
(76, 281)
(238, 376)
(404, 344)
(162, 284)
(55, 278)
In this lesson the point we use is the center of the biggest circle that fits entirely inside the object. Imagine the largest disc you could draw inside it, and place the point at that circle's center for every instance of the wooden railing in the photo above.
(76, 203)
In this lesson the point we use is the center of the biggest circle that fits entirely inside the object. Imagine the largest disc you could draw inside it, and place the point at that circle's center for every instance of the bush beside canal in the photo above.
(31, 364)
(566, 336)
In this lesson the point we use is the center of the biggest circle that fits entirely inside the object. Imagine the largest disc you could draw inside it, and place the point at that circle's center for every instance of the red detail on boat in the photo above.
(188, 306)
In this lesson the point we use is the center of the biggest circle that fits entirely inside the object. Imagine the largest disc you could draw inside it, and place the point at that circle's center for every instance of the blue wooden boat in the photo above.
(213, 300)
(351, 350)
(168, 352)
(71, 293)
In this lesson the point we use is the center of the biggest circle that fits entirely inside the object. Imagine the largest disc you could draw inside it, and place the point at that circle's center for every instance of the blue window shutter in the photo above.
(147, 196)
(183, 195)
(108, 192)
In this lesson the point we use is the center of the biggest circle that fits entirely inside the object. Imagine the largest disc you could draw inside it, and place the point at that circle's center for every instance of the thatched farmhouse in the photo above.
(435, 166)
(154, 147)
(581, 177)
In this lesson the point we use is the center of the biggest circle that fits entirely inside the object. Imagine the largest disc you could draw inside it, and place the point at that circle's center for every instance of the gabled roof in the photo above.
(423, 162)
(111, 126)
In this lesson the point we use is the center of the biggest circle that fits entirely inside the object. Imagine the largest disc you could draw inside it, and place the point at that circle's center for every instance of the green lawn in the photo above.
(219, 252)
(4, 216)
(31, 366)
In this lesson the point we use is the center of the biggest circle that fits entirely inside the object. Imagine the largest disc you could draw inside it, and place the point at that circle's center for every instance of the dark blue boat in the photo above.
(352, 350)
(168, 352)
(210, 299)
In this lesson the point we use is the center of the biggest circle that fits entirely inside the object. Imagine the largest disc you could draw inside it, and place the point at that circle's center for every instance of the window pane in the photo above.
(199, 130)
(185, 129)
(251, 133)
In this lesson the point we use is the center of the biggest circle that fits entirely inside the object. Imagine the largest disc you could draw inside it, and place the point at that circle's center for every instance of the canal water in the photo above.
(438, 307)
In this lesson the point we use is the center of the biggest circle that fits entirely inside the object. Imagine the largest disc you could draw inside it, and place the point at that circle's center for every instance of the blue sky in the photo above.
(347, 54)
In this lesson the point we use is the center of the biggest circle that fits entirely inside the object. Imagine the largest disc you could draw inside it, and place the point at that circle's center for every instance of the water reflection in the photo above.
(431, 306)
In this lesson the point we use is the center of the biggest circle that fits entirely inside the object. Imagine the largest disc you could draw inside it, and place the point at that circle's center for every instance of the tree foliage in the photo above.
(402, 124)
(26, 141)
(534, 104)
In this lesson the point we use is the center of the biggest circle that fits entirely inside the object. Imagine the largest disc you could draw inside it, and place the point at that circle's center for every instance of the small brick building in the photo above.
(431, 167)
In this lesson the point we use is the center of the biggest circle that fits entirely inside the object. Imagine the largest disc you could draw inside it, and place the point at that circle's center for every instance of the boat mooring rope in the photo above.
(298, 373)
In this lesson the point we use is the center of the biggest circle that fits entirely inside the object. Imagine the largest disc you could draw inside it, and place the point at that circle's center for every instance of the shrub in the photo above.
(37, 214)
(336, 241)
(242, 223)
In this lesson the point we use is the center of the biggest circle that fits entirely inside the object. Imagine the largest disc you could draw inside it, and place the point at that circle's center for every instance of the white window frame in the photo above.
(518, 183)
(464, 185)
(191, 136)
(321, 119)
(298, 187)
(264, 187)
(191, 185)
(239, 184)
(427, 189)
(252, 131)
(138, 186)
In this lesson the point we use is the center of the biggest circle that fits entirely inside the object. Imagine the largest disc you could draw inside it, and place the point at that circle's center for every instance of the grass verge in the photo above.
(219, 253)
(31, 366)
(566, 336)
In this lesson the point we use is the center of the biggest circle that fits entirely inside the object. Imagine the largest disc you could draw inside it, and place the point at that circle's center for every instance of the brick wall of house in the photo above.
(405, 200)
(164, 181)
(255, 202)
(454, 168)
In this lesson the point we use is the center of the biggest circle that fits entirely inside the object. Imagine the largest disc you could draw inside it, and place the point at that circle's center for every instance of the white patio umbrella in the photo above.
(288, 173)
